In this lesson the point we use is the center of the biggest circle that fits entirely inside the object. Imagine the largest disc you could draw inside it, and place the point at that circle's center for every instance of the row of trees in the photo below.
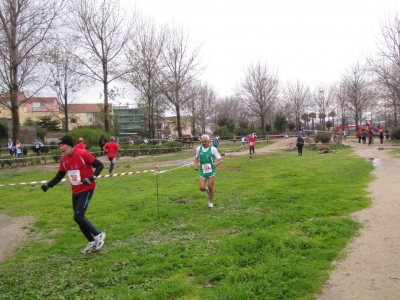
(69, 45)
(367, 89)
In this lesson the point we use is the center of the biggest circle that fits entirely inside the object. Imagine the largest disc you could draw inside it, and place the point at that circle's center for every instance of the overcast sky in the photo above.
(312, 40)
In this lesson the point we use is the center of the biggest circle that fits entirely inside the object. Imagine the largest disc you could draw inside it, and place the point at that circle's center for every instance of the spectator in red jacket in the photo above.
(80, 144)
(359, 135)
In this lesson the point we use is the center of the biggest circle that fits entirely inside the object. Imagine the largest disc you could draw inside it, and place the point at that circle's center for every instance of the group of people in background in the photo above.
(364, 135)
(15, 149)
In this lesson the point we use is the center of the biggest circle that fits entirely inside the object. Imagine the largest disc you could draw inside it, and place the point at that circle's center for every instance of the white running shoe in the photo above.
(91, 247)
(210, 204)
(99, 239)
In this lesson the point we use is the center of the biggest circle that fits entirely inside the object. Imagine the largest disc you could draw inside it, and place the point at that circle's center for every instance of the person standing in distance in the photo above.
(80, 144)
(11, 147)
(102, 142)
(300, 144)
(111, 149)
(79, 164)
(18, 148)
(209, 159)
(381, 137)
(37, 146)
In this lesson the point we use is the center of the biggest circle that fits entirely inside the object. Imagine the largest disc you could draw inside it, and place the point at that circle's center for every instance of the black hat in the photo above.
(67, 140)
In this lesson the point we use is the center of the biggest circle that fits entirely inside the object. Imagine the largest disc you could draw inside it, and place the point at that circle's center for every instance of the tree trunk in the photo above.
(263, 125)
(106, 124)
(15, 114)
(66, 102)
(178, 121)
(105, 87)
(14, 100)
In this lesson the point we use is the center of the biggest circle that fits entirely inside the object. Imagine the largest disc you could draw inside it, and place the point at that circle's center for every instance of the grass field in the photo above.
(278, 222)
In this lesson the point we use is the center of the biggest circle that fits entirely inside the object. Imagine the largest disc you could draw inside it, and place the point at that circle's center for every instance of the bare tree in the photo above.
(298, 97)
(229, 108)
(179, 68)
(63, 68)
(341, 103)
(322, 100)
(190, 108)
(24, 26)
(259, 90)
(102, 32)
(358, 90)
(387, 64)
(144, 59)
(201, 106)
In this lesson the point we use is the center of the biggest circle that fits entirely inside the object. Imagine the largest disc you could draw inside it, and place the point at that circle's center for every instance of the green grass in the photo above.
(278, 222)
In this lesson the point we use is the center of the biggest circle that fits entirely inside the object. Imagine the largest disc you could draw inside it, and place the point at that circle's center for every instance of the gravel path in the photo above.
(371, 268)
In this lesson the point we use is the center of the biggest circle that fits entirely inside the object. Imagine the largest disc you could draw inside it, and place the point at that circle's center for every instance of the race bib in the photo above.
(251, 143)
(207, 168)
(74, 177)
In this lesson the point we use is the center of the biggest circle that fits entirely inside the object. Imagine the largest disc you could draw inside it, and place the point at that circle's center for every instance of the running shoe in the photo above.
(91, 247)
(99, 239)
(210, 205)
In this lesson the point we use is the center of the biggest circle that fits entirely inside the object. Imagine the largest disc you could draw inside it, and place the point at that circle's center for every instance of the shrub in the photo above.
(395, 134)
(128, 150)
(173, 146)
(56, 154)
(96, 151)
(90, 135)
(323, 137)
(47, 148)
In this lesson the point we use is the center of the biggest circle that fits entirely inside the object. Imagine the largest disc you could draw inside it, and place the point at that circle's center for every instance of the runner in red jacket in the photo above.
(111, 148)
(252, 144)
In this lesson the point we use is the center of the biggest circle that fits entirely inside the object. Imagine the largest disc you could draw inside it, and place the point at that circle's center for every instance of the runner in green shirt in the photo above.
(209, 159)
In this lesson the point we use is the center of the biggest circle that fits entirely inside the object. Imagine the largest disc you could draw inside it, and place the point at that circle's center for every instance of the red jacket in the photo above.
(111, 148)
(252, 142)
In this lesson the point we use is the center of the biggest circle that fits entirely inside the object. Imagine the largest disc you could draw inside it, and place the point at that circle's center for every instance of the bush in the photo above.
(91, 136)
(56, 154)
(47, 148)
(95, 151)
(174, 146)
(395, 134)
(323, 137)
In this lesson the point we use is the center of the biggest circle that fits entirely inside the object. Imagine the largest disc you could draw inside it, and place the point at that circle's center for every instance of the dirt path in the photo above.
(371, 268)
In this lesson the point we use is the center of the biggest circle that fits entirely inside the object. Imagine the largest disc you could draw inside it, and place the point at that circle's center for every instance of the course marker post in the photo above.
(158, 201)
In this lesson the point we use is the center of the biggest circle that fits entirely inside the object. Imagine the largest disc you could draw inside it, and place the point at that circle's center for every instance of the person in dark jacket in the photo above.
(102, 142)
(300, 144)
(381, 137)
(387, 133)
(364, 136)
